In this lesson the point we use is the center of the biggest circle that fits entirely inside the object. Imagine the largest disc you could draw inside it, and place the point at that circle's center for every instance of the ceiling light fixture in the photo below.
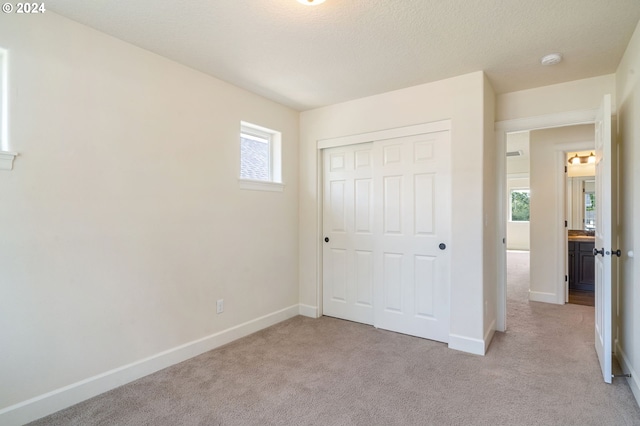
(311, 2)
(551, 59)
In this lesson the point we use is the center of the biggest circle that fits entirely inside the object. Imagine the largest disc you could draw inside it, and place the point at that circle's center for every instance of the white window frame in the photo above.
(274, 138)
(511, 191)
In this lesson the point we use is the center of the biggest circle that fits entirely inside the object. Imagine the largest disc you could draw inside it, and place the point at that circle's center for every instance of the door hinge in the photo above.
(565, 169)
(566, 278)
(566, 224)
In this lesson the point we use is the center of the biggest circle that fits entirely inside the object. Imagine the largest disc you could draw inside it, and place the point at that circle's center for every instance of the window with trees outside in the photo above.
(520, 200)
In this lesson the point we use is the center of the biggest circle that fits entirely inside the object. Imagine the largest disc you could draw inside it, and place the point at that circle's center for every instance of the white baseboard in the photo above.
(627, 368)
(56, 400)
(538, 296)
(308, 311)
(488, 336)
(467, 344)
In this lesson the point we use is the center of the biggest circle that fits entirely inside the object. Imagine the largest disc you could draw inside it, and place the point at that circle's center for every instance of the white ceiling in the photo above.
(311, 56)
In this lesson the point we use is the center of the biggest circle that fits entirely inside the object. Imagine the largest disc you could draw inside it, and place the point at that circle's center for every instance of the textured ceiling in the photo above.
(306, 57)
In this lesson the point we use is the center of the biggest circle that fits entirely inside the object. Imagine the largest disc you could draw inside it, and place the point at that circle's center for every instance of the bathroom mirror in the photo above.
(581, 203)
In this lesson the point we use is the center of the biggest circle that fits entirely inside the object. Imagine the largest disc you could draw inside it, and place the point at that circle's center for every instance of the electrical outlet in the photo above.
(220, 306)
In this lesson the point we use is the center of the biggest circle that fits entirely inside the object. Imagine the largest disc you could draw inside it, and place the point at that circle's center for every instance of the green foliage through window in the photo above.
(520, 205)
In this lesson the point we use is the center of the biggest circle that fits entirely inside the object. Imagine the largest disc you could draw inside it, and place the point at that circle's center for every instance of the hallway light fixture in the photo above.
(582, 159)
(311, 2)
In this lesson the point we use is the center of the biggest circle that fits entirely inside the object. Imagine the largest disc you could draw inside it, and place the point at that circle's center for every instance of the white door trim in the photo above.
(562, 292)
(416, 129)
(569, 118)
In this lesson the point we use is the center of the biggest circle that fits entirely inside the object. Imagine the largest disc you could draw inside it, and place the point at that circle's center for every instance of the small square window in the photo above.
(520, 200)
(255, 156)
(260, 160)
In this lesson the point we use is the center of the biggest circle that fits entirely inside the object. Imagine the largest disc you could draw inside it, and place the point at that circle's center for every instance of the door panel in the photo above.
(338, 288)
(424, 203)
(364, 278)
(605, 227)
(364, 206)
(423, 282)
(348, 224)
(392, 270)
(392, 203)
(412, 208)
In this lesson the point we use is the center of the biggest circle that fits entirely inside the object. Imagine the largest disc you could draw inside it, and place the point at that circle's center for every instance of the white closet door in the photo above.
(348, 233)
(386, 222)
(412, 192)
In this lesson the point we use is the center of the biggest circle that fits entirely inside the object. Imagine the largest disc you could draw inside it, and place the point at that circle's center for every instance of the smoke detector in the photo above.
(551, 59)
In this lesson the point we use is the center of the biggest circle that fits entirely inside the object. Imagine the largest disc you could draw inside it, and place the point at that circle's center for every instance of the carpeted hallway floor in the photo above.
(542, 371)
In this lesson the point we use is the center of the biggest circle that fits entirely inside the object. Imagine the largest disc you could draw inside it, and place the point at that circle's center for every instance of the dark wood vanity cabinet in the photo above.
(581, 266)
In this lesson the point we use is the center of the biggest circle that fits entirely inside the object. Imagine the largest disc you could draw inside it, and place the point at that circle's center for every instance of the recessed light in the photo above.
(311, 2)
(551, 59)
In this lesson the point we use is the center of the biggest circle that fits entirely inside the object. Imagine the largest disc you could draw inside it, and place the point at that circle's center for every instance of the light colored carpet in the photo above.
(543, 371)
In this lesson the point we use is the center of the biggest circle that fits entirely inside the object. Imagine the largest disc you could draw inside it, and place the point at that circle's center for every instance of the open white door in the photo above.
(605, 227)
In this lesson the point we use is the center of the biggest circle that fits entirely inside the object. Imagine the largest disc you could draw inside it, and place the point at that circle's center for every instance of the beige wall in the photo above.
(122, 222)
(627, 323)
(461, 99)
(572, 96)
(547, 232)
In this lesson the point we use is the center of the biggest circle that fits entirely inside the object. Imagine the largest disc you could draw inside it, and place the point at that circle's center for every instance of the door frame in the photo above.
(563, 119)
(397, 132)
(561, 151)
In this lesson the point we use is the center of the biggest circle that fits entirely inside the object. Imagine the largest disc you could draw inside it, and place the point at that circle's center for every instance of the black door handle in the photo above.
(442, 246)
(597, 252)
(616, 253)
(326, 239)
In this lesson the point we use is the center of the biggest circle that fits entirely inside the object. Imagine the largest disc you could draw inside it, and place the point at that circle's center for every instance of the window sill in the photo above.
(261, 185)
(6, 160)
